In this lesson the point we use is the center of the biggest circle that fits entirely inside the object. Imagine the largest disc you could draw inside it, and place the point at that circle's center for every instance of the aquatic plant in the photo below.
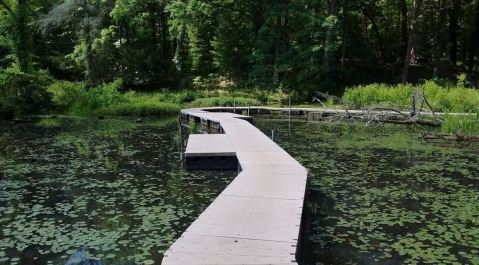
(378, 195)
(112, 188)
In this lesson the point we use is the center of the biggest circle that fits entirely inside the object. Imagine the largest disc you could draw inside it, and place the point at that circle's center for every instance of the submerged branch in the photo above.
(449, 137)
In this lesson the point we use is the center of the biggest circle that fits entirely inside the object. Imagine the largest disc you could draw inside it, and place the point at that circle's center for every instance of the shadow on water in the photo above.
(378, 195)
(90, 192)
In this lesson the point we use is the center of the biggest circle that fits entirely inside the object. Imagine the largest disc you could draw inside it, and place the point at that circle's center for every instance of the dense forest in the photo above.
(306, 45)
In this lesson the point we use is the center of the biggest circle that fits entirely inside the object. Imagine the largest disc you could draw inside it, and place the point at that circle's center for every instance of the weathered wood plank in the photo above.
(256, 219)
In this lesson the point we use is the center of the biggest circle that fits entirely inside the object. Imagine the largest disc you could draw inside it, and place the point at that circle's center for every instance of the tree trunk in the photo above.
(275, 67)
(88, 42)
(438, 39)
(123, 52)
(474, 40)
(412, 40)
(276, 51)
(165, 33)
(279, 45)
(377, 33)
(453, 27)
(22, 40)
(180, 56)
(153, 9)
(404, 30)
(332, 11)
(345, 31)
(89, 58)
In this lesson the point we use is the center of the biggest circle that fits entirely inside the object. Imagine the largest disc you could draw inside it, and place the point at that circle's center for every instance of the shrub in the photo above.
(277, 98)
(181, 97)
(224, 101)
(451, 98)
(23, 93)
(462, 124)
(140, 109)
(261, 96)
(379, 94)
(77, 99)
(442, 97)
(65, 94)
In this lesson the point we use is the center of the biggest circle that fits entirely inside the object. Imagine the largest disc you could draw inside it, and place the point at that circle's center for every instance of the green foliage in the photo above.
(65, 94)
(302, 46)
(442, 97)
(77, 99)
(140, 108)
(23, 93)
(461, 124)
(380, 94)
(224, 101)
(451, 98)
(146, 104)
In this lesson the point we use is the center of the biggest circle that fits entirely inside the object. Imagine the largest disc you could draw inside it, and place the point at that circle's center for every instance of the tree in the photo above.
(332, 10)
(142, 30)
(474, 42)
(20, 31)
(306, 45)
(404, 28)
(412, 40)
(85, 15)
(453, 28)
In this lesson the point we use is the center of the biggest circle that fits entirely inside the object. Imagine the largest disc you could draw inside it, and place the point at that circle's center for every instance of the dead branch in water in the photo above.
(449, 137)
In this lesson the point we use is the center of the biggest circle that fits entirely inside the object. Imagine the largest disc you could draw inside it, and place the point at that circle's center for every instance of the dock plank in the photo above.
(256, 219)
(209, 145)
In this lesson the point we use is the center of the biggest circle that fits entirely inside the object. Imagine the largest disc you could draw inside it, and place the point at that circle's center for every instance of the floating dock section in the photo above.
(257, 218)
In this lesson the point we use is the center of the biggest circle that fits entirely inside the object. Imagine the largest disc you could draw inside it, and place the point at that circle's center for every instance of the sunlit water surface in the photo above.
(96, 192)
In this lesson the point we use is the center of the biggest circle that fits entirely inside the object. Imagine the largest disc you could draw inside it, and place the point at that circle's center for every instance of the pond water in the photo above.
(96, 192)
(379, 195)
(99, 192)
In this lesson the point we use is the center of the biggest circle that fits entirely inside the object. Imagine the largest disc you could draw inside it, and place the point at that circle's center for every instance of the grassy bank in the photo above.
(76, 99)
(23, 94)
(443, 97)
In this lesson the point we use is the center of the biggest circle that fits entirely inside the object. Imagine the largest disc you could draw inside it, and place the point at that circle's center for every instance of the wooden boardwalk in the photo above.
(256, 219)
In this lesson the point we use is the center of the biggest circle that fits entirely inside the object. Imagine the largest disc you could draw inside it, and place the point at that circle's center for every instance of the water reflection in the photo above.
(81, 258)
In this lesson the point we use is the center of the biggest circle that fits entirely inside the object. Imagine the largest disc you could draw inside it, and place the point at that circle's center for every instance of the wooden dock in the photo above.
(257, 218)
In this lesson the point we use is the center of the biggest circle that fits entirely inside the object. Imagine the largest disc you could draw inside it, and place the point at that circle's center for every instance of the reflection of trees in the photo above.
(6, 149)
(104, 141)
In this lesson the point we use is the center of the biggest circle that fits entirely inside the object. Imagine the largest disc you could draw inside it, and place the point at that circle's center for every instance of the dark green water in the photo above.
(96, 192)
(381, 196)
(114, 192)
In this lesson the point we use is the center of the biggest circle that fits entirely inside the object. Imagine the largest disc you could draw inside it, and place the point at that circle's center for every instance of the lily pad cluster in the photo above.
(379, 195)
(106, 191)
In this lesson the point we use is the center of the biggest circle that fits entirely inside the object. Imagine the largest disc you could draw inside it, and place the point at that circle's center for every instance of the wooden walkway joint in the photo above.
(257, 218)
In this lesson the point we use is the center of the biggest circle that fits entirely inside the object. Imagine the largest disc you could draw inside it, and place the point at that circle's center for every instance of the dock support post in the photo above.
(289, 125)
(180, 120)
